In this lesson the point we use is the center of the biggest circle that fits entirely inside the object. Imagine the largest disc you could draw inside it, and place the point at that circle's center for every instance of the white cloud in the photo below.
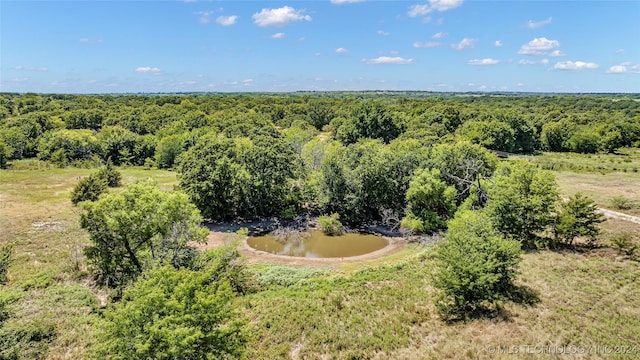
(428, 44)
(433, 5)
(279, 17)
(532, 62)
(439, 35)
(577, 65)
(536, 24)
(279, 35)
(247, 82)
(498, 43)
(538, 46)
(31, 68)
(620, 51)
(463, 44)
(625, 68)
(345, 1)
(147, 70)
(397, 60)
(382, 32)
(204, 16)
(90, 41)
(556, 53)
(227, 20)
(341, 50)
(487, 61)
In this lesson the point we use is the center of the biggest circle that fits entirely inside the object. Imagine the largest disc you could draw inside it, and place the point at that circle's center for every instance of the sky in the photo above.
(324, 45)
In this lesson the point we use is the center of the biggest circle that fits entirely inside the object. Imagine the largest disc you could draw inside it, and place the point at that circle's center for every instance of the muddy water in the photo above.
(315, 244)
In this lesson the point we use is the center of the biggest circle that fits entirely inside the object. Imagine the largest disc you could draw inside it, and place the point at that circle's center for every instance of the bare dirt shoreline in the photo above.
(223, 233)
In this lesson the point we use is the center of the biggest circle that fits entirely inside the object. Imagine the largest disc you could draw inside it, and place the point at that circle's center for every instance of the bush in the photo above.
(429, 200)
(330, 224)
(110, 175)
(622, 203)
(88, 189)
(577, 217)
(624, 244)
(475, 265)
(6, 255)
(26, 341)
(174, 314)
(4, 154)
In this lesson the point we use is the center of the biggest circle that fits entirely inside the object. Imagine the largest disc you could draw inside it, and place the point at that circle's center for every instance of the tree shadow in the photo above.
(518, 294)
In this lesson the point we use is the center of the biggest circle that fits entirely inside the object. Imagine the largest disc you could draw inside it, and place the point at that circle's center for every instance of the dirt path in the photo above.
(619, 215)
(220, 234)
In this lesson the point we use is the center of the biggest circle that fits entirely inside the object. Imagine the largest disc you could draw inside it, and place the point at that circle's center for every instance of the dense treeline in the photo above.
(366, 156)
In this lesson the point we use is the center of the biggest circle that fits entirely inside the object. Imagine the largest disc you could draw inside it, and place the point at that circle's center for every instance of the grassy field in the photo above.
(600, 176)
(379, 310)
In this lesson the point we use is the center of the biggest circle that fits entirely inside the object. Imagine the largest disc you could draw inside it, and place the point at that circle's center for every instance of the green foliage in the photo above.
(430, 200)
(622, 203)
(584, 141)
(476, 266)
(370, 119)
(287, 276)
(555, 135)
(626, 245)
(330, 224)
(134, 229)
(89, 189)
(110, 175)
(116, 143)
(5, 152)
(413, 223)
(578, 216)
(174, 314)
(63, 146)
(26, 341)
(6, 258)
(168, 150)
(494, 135)
(521, 200)
(239, 177)
(463, 164)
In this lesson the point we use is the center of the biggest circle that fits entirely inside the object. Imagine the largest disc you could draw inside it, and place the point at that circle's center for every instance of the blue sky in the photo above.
(434, 45)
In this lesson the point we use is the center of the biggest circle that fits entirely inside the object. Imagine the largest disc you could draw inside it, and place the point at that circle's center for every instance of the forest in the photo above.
(496, 196)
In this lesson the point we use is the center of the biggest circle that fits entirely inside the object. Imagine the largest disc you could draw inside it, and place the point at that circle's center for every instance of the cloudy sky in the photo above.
(435, 45)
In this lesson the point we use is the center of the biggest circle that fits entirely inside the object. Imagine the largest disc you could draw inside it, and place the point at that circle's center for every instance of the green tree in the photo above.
(463, 165)
(110, 174)
(576, 217)
(174, 314)
(521, 200)
(369, 119)
(476, 266)
(133, 229)
(71, 144)
(494, 135)
(5, 152)
(430, 200)
(168, 150)
(89, 189)
(555, 135)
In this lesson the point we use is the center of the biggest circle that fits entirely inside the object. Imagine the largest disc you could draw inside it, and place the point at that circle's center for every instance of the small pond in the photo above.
(315, 244)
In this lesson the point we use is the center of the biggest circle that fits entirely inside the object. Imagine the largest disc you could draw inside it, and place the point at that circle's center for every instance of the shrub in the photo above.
(330, 224)
(475, 265)
(622, 203)
(88, 189)
(6, 255)
(429, 200)
(110, 175)
(624, 244)
(577, 217)
(174, 314)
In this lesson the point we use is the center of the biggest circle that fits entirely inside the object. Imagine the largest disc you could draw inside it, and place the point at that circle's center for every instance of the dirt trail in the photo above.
(619, 215)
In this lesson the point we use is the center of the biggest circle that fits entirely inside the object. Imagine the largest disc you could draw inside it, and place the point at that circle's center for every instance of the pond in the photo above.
(315, 244)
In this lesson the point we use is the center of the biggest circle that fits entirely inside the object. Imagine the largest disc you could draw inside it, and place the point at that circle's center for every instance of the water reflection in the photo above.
(315, 244)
